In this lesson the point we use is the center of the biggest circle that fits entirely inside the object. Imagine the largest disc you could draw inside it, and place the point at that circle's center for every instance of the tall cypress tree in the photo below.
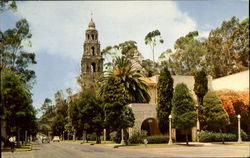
(200, 89)
(183, 111)
(200, 85)
(165, 94)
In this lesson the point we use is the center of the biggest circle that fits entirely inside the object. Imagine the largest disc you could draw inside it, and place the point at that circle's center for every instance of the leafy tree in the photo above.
(87, 114)
(46, 106)
(189, 55)
(127, 48)
(61, 108)
(183, 111)
(228, 48)
(151, 39)
(236, 103)
(215, 115)
(16, 104)
(58, 124)
(200, 89)
(150, 67)
(13, 55)
(165, 55)
(7, 5)
(165, 94)
(117, 115)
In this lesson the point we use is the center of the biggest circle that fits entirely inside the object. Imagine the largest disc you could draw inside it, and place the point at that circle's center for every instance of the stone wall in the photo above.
(142, 112)
(237, 82)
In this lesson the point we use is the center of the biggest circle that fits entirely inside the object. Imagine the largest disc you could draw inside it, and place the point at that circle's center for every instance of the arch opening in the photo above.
(93, 37)
(93, 67)
(150, 126)
(93, 51)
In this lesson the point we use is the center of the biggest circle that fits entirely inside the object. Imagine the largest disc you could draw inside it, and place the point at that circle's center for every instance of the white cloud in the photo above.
(204, 34)
(59, 27)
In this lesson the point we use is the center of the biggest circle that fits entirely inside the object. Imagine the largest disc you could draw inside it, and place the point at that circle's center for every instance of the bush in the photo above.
(157, 139)
(206, 136)
(91, 137)
(116, 136)
(137, 137)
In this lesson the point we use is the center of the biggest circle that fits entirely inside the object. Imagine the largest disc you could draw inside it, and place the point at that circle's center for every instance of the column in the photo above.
(239, 136)
(170, 132)
(122, 135)
(104, 135)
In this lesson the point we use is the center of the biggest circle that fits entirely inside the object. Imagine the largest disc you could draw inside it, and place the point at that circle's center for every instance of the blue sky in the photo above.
(58, 31)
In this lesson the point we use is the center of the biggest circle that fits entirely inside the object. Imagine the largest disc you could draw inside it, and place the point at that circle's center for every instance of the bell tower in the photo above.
(92, 60)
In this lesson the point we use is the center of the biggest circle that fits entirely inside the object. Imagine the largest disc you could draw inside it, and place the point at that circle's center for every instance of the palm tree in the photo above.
(129, 78)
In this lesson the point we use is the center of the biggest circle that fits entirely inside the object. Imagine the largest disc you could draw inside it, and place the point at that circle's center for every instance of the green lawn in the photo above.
(89, 142)
(25, 147)
(233, 143)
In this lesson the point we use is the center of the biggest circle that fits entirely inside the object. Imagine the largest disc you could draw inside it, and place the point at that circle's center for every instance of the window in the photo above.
(93, 67)
(93, 51)
(93, 37)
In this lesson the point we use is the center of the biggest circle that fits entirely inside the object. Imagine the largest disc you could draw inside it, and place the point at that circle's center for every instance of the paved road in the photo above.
(73, 150)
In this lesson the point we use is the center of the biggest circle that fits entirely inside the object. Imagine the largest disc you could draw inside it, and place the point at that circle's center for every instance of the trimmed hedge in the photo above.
(138, 137)
(206, 136)
(157, 139)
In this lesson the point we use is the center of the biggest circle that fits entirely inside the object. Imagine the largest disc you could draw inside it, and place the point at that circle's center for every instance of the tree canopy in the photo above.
(183, 111)
(165, 94)
(151, 39)
(215, 115)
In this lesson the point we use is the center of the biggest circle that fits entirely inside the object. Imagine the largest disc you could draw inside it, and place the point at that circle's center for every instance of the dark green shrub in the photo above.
(137, 137)
(206, 136)
(116, 136)
(244, 136)
(91, 137)
(157, 139)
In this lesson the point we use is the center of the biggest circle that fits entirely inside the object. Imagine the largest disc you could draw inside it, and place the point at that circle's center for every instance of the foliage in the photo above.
(236, 103)
(200, 89)
(165, 95)
(13, 54)
(126, 49)
(86, 113)
(200, 85)
(16, 105)
(135, 88)
(150, 67)
(151, 39)
(183, 111)
(116, 136)
(206, 136)
(58, 124)
(7, 5)
(137, 137)
(224, 52)
(188, 56)
(228, 48)
(158, 139)
(214, 114)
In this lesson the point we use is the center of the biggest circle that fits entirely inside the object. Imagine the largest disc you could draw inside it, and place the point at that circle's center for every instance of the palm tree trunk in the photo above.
(186, 137)
(222, 138)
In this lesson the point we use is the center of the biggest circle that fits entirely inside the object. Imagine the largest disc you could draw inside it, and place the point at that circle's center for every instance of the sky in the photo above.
(58, 31)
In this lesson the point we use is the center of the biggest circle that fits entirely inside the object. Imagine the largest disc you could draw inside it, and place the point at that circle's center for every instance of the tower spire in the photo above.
(91, 15)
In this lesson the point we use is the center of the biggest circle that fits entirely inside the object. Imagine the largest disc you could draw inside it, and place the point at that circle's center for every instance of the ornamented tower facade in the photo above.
(92, 60)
